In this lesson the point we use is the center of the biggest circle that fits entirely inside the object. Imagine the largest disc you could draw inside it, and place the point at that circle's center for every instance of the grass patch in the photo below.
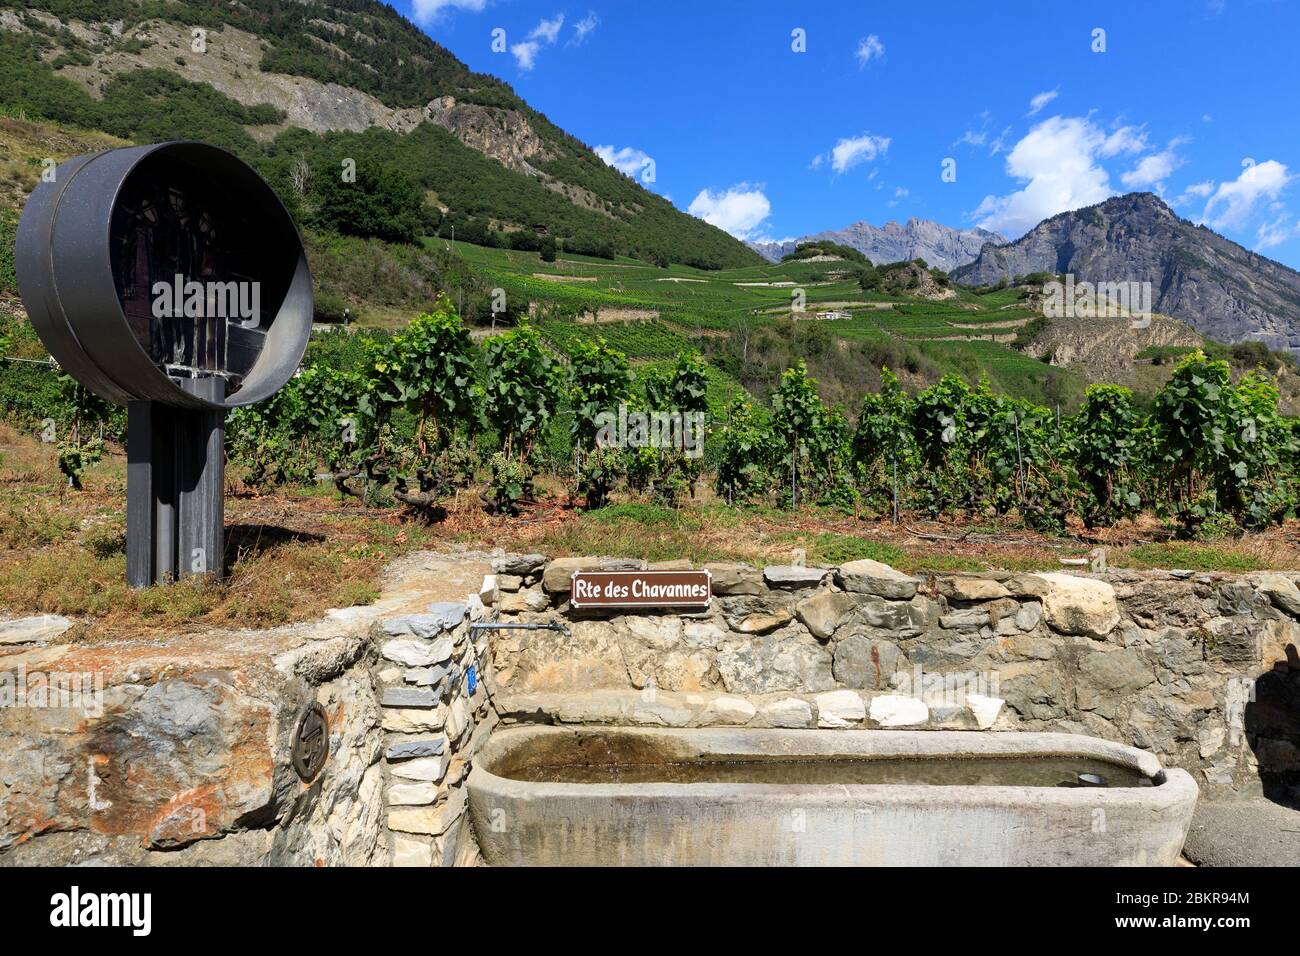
(284, 583)
(642, 513)
(289, 558)
(649, 532)
(832, 548)
(1194, 557)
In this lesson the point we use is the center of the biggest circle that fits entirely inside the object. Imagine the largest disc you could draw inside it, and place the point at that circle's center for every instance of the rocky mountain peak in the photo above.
(1222, 290)
(937, 244)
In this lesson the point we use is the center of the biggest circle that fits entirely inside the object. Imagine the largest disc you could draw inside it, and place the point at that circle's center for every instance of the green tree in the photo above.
(883, 449)
(748, 453)
(521, 392)
(427, 369)
(382, 201)
(599, 381)
(521, 389)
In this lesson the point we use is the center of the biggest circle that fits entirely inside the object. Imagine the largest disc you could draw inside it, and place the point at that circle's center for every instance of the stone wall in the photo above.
(185, 756)
(436, 716)
(161, 751)
(177, 749)
(1200, 669)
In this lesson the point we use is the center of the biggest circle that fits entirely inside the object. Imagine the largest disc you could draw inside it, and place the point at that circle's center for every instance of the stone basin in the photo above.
(605, 796)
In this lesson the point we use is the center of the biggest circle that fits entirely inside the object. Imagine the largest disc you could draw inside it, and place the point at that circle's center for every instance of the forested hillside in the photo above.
(436, 145)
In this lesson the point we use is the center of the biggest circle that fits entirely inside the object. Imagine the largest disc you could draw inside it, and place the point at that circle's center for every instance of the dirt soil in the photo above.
(293, 553)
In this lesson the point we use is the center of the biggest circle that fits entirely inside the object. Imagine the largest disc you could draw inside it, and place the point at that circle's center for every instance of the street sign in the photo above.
(170, 279)
(676, 590)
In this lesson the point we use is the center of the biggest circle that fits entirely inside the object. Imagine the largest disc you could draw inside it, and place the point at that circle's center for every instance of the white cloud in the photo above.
(1276, 232)
(981, 136)
(1057, 160)
(426, 10)
(899, 195)
(1195, 191)
(628, 160)
(1037, 102)
(852, 150)
(1233, 203)
(869, 48)
(1154, 169)
(740, 210)
(1126, 139)
(582, 29)
(525, 54)
(544, 34)
(548, 30)
(976, 137)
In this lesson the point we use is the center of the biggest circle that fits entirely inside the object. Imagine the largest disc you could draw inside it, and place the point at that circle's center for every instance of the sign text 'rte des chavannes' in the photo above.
(677, 590)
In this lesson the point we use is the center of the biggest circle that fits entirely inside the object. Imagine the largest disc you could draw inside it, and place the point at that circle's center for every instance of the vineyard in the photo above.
(936, 412)
(972, 334)
(1211, 457)
(409, 418)
(640, 339)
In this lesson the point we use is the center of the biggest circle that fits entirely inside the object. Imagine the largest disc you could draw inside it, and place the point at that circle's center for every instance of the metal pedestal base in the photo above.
(175, 503)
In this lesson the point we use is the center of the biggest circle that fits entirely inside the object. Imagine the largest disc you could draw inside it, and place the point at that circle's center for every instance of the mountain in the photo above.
(1222, 290)
(937, 244)
(292, 85)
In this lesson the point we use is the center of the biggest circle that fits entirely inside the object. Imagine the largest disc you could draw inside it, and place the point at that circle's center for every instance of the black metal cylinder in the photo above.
(143, 267)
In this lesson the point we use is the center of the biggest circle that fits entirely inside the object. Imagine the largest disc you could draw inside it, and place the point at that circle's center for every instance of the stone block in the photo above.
(730, 579)
(407, 749)
(786, 712)
(898, 710)
(1078, 605)
(839, 708)
(793, 577)
(409, 697)
(825, 611)
(873, 577)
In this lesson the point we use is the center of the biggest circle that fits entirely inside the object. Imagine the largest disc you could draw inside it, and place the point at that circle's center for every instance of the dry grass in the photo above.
(289, 559)
(23, 144)
(295, 553)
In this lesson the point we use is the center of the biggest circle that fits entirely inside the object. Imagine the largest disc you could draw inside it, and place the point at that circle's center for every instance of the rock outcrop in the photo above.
(1222, 290)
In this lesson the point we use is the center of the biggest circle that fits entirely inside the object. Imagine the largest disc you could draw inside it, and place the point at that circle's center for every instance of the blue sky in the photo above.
(1197, 100)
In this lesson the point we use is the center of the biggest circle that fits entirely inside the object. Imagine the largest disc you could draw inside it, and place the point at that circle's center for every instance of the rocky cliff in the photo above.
(937, 244)
(1224, 291)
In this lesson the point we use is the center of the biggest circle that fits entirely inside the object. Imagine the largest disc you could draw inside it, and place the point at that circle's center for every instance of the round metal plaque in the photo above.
(311, 743)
